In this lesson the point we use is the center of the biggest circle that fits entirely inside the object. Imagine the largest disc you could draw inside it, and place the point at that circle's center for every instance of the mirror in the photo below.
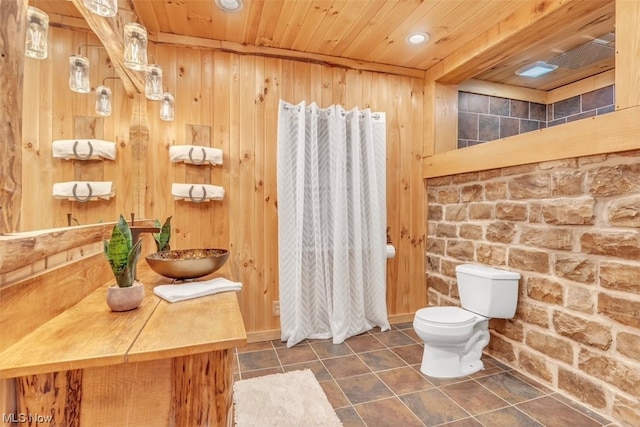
(51, 111)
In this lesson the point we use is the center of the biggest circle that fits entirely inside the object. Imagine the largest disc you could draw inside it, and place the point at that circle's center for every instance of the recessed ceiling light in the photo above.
(536, 69)
(230, 5)
(417, 38)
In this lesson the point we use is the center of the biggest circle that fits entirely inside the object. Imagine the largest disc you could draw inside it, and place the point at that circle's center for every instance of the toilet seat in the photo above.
(446, 316)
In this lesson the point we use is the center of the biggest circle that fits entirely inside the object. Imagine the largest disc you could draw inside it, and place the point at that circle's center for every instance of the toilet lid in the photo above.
(452, 316)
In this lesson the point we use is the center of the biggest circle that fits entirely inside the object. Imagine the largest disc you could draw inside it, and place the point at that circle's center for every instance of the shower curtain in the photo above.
(331, 222)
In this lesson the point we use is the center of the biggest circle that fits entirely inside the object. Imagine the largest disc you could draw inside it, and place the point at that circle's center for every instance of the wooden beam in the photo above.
(178, 40)
(589, 84)
(504, 91)
(110, 32)
(139, 140)
(608, 133)
(22, 249)
(12, 34)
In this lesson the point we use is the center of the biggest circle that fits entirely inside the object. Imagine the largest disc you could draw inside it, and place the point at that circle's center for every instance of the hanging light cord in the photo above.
(109, 78)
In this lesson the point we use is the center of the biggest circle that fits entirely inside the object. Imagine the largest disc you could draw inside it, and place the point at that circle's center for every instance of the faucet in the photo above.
(136, 231)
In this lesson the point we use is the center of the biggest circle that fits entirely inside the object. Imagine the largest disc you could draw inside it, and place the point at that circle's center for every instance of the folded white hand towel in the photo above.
(195, 154)
(84, 149)
(185, 291)
(197, 192)
(83, 191)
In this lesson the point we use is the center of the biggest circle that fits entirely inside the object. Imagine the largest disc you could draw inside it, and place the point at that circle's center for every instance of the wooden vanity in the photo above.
(162, 364)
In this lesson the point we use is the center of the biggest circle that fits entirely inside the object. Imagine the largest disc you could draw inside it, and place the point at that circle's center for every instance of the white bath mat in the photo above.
(292, 399)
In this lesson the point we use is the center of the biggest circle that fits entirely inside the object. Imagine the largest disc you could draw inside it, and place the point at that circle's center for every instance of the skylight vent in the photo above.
(589, 53)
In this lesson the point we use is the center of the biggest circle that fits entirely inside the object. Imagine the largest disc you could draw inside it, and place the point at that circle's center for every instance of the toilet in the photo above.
(454, 337)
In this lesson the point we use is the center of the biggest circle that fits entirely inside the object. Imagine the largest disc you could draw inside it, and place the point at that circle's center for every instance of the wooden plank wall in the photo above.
(237, 97)
(234, 99)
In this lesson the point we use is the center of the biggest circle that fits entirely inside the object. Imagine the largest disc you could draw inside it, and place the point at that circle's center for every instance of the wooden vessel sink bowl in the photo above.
(184, 264)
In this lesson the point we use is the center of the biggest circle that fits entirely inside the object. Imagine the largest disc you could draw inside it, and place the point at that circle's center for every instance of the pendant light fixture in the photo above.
(107, 8)
(135, 46)
(79, 74)
(103, 101)
(36, 33)
(167, 107)
(153, 82)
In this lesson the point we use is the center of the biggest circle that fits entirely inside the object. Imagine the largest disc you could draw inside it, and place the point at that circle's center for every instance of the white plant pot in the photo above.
(125, 299)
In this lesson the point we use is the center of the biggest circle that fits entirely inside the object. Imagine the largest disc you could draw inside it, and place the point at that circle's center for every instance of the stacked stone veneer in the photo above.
(572, 229)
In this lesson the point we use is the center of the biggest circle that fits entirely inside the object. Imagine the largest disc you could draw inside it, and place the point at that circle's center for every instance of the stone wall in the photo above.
(570, 228)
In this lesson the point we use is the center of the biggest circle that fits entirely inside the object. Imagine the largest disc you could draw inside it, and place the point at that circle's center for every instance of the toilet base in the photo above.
(442, 364)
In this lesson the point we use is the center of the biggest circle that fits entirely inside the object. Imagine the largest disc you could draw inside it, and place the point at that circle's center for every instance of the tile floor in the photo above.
(374, 379)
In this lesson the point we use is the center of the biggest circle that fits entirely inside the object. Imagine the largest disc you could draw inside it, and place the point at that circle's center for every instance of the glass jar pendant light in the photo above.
(106, 8)
(36, 33)
(103, 101)
(79, 74)
(153, 85)
(167, 109)
(135, 47)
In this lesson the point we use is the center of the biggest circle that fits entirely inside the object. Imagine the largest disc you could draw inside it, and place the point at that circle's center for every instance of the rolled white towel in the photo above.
(83, 191)
(197, 192)
(185, 291)
(195, 154)
(84, 149)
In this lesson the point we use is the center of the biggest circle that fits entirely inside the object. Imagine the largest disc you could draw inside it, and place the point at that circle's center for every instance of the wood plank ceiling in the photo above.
(375, 30)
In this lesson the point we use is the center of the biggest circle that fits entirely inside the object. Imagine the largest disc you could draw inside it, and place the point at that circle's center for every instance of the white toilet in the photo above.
(454, 337)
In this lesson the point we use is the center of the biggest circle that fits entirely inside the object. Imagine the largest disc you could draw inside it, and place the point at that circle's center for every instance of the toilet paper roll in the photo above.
(391, 251)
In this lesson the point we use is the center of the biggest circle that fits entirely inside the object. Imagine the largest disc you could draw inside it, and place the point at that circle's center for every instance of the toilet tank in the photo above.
(488, 291)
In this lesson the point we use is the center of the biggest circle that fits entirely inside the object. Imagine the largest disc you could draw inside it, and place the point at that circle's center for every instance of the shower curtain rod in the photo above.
(374, 116)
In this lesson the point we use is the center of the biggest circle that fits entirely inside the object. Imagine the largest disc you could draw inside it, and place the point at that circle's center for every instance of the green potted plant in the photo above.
(123, 253)
(162, 238)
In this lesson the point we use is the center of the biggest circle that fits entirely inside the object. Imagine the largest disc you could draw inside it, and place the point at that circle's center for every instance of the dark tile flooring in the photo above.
(374, 379)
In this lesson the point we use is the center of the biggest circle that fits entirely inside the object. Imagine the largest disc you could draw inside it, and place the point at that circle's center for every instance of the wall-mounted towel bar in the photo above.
(78, 156)
(198, 162)
(82, 199)
(84, 149)
(185, 153)
(201, 199)
(83, 191)
(197, 193)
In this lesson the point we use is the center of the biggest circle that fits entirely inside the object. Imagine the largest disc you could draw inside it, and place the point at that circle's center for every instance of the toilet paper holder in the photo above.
(390, 250)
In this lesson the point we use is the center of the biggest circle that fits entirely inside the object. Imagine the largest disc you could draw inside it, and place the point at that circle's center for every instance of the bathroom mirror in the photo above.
(52, 111)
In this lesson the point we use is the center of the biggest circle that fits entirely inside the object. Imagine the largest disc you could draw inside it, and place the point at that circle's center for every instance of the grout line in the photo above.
(350, 405)
(394, 394)
(503, 369)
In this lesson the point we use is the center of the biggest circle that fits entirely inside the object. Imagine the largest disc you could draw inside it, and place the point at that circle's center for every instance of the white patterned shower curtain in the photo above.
(331, 222)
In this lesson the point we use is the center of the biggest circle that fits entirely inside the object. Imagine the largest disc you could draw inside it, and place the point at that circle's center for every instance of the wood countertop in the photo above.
(90, 335)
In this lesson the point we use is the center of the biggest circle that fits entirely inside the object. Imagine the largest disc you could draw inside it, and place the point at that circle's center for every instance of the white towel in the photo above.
(195, 154)
(64, 148)
(97, 190)
(185, 291)
(197, 192)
